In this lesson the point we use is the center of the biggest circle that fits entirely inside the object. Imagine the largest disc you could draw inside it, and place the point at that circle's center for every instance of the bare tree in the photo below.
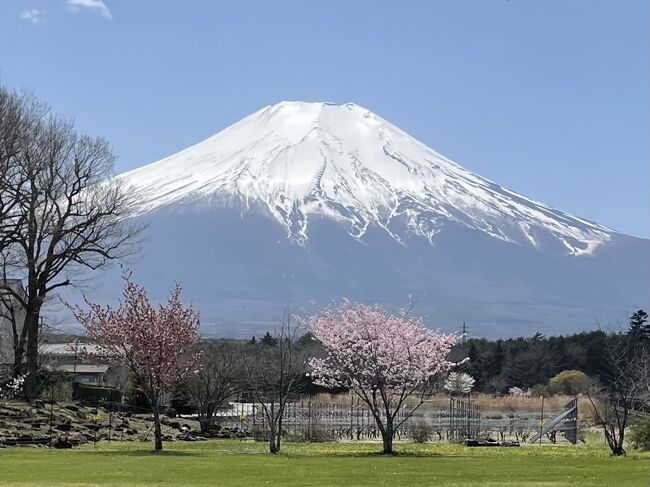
(218, 379)
(72, 215)
(616, 402)
(19, 116)
(272, 373)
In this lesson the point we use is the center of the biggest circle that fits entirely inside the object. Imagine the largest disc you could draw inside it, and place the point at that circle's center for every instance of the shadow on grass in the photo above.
(374, 454)
(141, 453)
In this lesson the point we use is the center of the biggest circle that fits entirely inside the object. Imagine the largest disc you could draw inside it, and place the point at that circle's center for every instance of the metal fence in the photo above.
(309, 420)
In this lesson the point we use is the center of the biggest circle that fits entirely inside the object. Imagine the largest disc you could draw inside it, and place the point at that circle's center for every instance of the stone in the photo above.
(67, 426)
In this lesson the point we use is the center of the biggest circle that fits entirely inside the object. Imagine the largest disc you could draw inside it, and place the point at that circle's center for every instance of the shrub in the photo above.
(569, 382)
(541, 390)
(181, 401)
(640, 434)
(120, 407)
(421, 431)
(136, 398)
(94, 395)
(321, 435)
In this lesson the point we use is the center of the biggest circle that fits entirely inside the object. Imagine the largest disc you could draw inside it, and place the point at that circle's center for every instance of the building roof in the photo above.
(80, 368)
(61, 349)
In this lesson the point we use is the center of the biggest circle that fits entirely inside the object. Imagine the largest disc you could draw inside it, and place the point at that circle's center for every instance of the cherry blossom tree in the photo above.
(383, 358)
(153, 342)
(459, 383)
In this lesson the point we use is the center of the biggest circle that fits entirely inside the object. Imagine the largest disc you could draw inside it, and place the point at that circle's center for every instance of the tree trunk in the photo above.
(387, 436)
(32, 316)
(205, 424)
(615, 443)
(278, 435)
(206, 417)
(273, 446)
(618, 449)
(19, 355)
(157, 434)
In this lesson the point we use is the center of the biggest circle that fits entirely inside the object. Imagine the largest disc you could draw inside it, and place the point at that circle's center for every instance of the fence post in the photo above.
(541, 423)
(451, 418)
(309, 417)
(51, 408)
(110, 422)
(351, 417)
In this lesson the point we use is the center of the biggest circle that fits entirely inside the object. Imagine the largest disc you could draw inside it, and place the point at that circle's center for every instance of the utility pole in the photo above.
(464, 334)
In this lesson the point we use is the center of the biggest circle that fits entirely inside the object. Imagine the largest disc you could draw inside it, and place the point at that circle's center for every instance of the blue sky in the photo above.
(549, 98)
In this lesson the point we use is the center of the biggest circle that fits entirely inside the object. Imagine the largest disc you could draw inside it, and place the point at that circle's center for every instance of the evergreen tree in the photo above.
(639, 327)
(269, 340)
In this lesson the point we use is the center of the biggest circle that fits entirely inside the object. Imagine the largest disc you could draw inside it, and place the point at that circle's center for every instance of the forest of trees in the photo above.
(498, 365)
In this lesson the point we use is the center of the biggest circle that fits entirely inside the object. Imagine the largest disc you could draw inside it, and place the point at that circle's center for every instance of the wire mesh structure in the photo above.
(565, 423)
(308, 420)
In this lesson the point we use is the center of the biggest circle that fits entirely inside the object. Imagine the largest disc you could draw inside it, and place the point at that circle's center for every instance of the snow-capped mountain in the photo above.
(296, 160)
(305, 203)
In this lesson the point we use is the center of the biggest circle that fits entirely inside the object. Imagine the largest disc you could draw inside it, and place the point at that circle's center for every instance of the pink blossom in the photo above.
(383, 358)
(152, 342)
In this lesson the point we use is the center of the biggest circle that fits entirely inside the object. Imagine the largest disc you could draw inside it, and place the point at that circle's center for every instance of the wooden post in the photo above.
(541, 423)
(51, 408)
(451, 418)
(309, 417)
(351, 417)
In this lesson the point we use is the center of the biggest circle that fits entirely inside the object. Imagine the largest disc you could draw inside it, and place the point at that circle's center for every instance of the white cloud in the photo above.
(96, 5)
(33, 15)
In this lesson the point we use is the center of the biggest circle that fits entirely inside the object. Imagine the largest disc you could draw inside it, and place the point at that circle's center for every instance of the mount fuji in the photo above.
(304, 203)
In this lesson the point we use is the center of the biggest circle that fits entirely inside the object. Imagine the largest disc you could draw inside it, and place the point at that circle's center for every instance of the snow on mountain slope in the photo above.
(300, 160)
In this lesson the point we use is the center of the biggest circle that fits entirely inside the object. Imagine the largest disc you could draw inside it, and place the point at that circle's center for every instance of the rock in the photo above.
(67, 426)
(62, 442)
(71, 407)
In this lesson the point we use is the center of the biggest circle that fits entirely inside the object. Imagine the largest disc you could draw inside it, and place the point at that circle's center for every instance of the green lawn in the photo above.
(231, 462)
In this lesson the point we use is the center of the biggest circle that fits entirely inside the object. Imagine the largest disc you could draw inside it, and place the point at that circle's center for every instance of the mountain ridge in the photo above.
(295, 160)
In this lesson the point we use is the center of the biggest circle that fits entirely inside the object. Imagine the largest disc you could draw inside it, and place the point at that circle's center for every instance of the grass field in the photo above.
(234, 463)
